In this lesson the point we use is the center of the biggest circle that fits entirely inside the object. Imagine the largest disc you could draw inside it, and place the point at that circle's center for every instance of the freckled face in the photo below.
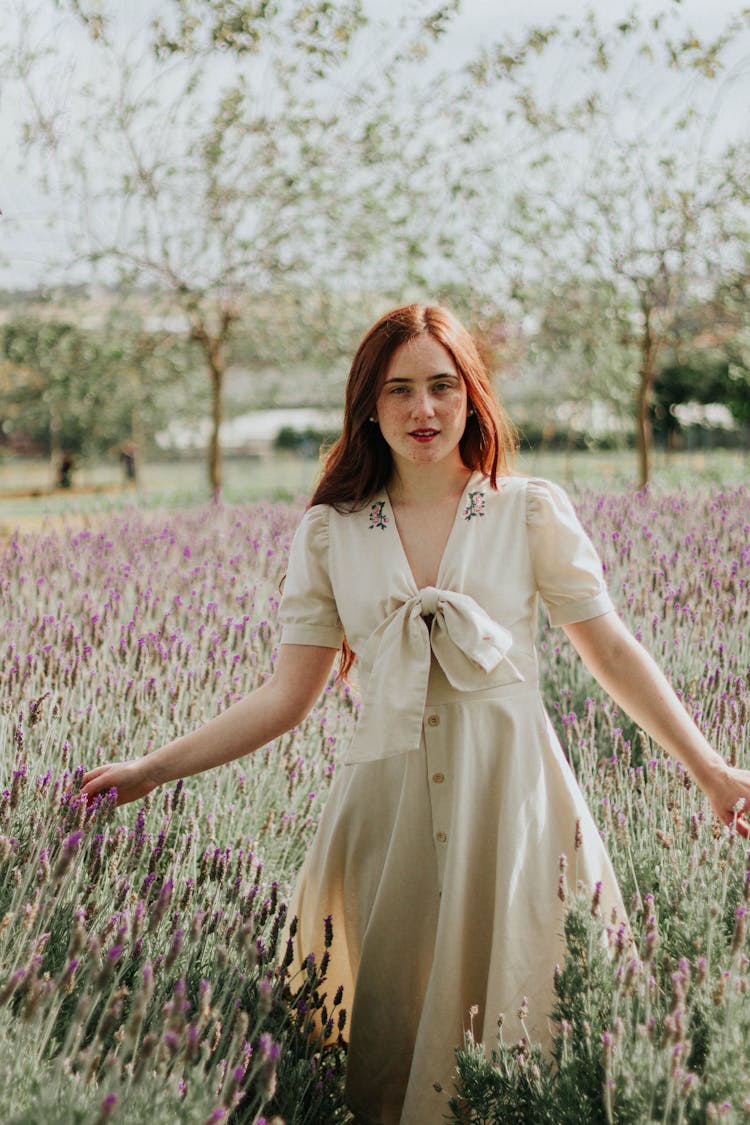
(421, 408)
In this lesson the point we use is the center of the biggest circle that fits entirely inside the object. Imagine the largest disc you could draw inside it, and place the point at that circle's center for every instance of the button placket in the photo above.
(438, 791)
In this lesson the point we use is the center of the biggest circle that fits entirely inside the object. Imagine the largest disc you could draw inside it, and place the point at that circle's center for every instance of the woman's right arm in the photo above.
(277, 705)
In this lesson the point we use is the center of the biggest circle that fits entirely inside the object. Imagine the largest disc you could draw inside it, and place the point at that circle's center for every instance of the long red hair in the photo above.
(359, 463)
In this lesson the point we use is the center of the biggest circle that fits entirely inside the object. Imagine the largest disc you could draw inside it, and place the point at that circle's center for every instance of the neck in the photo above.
(415, 484)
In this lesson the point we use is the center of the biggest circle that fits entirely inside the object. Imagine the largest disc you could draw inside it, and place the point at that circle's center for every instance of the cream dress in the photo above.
(438, 850)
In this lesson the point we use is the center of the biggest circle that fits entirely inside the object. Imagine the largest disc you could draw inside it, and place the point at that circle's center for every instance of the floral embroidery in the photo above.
(475, 506)
(378, 518)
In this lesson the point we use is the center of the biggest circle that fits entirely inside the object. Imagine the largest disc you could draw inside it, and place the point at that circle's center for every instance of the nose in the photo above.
(422, 404)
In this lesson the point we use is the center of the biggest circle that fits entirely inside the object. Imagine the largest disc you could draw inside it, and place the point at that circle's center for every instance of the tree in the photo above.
(232, 147)
(708, 360)
(48, 384)
(632, 194)
(75, 390)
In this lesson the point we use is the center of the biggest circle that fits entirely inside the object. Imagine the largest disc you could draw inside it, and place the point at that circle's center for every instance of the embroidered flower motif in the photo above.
(378, 518)
(475, 505)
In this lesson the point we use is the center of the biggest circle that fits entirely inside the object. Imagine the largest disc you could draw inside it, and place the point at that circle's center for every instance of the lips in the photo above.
(423, 435)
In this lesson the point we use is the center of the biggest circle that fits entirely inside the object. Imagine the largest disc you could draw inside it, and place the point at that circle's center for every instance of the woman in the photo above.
(437, 853)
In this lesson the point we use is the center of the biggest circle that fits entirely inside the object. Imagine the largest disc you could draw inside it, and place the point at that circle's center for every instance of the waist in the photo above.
(441, 690)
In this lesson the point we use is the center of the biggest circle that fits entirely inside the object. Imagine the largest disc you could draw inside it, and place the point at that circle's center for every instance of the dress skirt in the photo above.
(440, 868)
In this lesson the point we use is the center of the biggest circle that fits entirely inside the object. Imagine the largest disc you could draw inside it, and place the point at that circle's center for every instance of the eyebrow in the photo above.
(431, 378)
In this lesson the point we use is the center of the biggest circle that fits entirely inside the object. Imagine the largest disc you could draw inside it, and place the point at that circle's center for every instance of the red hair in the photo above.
(359, 463)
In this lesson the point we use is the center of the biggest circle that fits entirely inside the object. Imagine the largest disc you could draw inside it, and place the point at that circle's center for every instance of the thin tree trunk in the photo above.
(137, 438)
(215, 350)
(217, 365)
(55, 448)
(643, 435)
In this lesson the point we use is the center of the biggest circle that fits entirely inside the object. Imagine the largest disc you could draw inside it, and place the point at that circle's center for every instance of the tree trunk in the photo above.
(214, 345)
(137, 438)
(643, 436)
(55, 447)
(217, 365)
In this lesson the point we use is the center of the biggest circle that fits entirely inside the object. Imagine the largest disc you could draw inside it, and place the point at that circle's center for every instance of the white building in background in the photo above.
(714, 415)
(251, 433)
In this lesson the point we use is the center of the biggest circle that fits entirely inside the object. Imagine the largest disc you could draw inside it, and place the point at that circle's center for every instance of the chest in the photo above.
(424, 534)
(377, 559)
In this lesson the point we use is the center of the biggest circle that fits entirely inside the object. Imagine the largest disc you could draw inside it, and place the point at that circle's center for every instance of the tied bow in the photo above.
(468, 645)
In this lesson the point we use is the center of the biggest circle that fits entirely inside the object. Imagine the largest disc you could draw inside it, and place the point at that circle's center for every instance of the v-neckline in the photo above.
(399, 540)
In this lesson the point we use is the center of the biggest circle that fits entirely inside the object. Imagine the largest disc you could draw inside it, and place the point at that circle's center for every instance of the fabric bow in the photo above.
(468, 645)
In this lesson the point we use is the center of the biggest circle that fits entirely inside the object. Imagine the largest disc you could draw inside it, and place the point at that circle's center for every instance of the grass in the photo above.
(99, 489)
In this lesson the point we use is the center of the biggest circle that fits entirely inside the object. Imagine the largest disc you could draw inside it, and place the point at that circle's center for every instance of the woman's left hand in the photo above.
(724, 791)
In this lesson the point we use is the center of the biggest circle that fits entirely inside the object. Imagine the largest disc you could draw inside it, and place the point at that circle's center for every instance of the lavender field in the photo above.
(142, 950)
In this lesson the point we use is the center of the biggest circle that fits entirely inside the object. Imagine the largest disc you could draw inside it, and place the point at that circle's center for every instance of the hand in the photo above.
(724, 791)
(129, 779)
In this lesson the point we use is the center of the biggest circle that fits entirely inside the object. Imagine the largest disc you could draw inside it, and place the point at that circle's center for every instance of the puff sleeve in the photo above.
(566, 567)
(308, 612)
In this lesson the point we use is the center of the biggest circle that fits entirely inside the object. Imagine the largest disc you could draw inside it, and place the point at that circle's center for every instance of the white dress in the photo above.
(438, 850)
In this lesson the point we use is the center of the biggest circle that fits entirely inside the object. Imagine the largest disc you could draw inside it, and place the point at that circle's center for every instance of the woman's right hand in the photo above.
(130, 779)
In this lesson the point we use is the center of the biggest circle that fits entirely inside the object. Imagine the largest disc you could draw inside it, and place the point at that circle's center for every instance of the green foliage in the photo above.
(84, 391)
(241, 148)
(630, 204)
(639, 1037)
(307, 442)
(709, 360)
(49, 382)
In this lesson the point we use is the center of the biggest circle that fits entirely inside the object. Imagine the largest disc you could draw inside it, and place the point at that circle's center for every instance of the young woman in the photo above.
(437, 853)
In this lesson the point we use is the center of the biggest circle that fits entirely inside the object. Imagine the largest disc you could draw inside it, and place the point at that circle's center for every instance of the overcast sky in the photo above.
(25, 240)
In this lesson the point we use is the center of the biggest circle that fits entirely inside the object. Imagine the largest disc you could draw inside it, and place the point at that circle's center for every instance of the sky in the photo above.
(25, 239)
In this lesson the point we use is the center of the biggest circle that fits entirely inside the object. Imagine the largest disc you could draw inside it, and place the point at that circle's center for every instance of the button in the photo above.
(433, 720)
(438, 778)
(441, 837)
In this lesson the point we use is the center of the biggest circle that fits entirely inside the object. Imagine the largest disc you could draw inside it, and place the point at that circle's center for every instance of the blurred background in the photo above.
(207, 202)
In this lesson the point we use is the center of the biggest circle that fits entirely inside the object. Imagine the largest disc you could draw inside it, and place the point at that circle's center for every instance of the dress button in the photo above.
(433, 720)
(441, 837)
(438, 778)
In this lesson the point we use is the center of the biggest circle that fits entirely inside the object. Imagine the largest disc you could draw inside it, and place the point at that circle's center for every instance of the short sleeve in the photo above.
(566, 567)
(308, 612)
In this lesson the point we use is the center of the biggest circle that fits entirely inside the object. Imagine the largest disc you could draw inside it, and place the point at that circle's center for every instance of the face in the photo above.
(421, 407)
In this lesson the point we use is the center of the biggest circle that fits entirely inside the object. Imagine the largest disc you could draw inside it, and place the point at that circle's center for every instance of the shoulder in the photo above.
(317, 515)
(512, 492)
(313, 529)
(546, 500)
(534, 499)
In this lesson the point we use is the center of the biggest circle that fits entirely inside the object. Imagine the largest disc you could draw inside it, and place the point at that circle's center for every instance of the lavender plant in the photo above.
(145, 952)
(143, 965)
(652, 1018)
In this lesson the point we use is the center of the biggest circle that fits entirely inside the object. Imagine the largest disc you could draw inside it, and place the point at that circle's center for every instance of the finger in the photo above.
(743, 827)
(97, 785)
(94, 784)
(94, 773)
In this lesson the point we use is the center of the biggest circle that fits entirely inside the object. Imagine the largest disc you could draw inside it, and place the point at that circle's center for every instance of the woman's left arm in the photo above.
(633, 679)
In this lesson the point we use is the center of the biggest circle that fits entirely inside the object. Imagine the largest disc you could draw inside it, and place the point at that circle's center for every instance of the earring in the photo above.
(372, 418)
(470, 412)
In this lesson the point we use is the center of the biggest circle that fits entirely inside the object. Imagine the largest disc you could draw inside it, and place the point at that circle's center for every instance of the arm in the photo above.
(277, 705)
(627, 673)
